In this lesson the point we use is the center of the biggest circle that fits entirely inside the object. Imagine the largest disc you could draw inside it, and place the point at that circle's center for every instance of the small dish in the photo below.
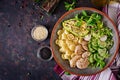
(44, 53)
(39, 33)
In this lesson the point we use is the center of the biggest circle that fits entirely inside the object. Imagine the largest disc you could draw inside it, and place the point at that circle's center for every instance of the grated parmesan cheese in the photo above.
(40, 33)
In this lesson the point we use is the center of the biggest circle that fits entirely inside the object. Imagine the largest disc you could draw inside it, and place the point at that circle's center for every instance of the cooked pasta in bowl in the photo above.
(84, 41)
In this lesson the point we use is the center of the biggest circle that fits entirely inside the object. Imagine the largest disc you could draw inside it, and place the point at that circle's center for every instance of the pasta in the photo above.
(64, 36)
(66, 32)
(59, 32)
(62, 56)
(57, 42)
(70, 37)
(67, 56)
(70, 46)
(67, 43)
(62, 50)
(72, 55)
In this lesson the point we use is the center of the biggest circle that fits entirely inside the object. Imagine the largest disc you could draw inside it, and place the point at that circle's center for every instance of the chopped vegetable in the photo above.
(103, 38)
(70, 6)
(67, 73)
(84, 13)
(87, 37)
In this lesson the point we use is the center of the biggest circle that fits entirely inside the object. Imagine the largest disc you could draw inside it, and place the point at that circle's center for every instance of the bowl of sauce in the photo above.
(44, 53)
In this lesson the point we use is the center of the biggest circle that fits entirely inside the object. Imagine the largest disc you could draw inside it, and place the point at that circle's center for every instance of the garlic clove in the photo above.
(103, 38)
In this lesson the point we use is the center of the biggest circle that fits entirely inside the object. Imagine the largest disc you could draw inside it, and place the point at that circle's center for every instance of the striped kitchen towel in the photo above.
(105, 75)
(113, 11)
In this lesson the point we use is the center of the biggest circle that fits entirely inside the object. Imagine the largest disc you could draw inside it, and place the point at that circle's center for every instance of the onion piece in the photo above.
(103, 38)
(87, 37)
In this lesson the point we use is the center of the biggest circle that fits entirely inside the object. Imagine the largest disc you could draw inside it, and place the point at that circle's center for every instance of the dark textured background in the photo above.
(18, 60)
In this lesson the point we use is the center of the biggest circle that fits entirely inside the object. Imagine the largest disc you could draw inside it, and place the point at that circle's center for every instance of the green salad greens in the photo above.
(101, 41)
(70, 6)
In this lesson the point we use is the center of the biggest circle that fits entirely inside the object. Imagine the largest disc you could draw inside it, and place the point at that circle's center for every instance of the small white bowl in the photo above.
(39, 35)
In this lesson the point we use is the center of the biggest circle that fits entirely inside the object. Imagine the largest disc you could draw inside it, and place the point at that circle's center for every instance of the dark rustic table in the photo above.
(18, 51)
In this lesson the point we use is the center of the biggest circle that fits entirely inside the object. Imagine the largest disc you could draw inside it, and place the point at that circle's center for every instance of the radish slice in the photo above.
(103, 38)
(87, 37)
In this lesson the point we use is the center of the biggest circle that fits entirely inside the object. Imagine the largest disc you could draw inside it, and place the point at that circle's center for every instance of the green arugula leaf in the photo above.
(74, 1)
(70, 6)
(79, 20)
(76, 16)
(84, 13)
(78, 24)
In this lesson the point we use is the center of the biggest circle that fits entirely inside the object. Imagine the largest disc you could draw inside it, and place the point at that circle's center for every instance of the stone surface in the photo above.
(18, 51)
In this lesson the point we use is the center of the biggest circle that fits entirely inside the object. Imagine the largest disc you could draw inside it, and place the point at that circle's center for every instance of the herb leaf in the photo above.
(84, 13)
(70, 6)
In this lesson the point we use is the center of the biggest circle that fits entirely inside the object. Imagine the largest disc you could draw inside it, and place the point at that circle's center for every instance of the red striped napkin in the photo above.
(113, 11)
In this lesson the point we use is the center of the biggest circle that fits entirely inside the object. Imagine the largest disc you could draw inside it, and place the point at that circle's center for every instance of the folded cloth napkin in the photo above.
(113, 11)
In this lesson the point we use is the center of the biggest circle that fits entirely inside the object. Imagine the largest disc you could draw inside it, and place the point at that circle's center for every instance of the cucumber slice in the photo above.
(102, 63)
(95, 47)
(106, 55)
(110, 44)
(97, 64)
(94, 34)
(102, 44)
(91, 58)
(100, 57)
(102, 52)
(90, 48)
(95, 57)
(94, 42)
